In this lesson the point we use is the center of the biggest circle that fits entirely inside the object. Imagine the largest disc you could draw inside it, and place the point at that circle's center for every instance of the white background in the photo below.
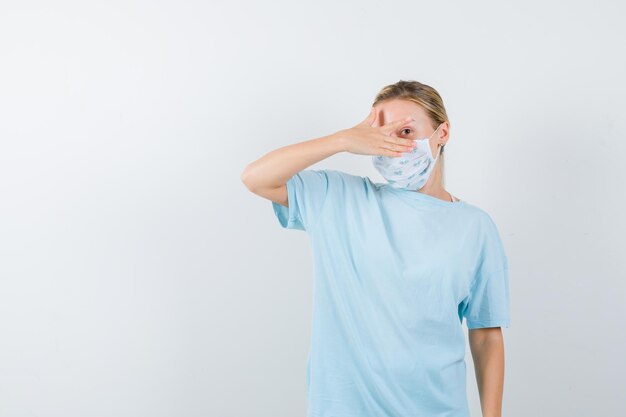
(139, 277)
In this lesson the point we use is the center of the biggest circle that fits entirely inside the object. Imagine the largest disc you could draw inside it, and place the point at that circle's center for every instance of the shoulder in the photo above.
(338, 179)
(343, 176)
(488, 236)
(480, 217)
(478, 212)
(342, 187)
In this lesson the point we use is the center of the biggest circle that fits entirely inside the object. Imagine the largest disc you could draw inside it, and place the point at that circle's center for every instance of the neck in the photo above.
(434, 187)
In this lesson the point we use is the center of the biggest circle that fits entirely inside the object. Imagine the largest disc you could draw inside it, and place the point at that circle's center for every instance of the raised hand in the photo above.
(364, 139)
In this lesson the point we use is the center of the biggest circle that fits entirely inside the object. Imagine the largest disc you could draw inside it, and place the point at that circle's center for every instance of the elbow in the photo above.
(247, 178)
(244, 176)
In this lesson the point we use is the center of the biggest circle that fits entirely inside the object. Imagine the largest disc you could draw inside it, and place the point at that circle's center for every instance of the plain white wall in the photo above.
(139, 277)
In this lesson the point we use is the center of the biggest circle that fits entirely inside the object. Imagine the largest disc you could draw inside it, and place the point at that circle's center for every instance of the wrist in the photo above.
(338, 141)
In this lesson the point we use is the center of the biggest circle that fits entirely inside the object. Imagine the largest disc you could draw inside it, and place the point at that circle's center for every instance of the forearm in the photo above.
(488, 355)
(276, 167)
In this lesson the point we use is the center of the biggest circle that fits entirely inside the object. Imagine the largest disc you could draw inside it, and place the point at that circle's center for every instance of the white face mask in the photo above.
(410, 170)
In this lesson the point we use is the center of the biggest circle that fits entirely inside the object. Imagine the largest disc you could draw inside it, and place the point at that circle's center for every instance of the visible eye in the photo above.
(403, 130)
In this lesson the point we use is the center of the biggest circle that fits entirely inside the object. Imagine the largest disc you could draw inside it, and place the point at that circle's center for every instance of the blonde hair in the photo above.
(423, 95)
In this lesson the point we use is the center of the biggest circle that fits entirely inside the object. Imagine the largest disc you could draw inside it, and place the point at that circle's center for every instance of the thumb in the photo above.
(370, 118)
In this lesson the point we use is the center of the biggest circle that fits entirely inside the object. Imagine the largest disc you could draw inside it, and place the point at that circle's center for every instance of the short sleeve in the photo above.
(488, 303)
(306, 194)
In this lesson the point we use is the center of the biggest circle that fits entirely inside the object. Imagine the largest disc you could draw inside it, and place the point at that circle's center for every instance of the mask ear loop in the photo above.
(440, 146)
(454, 199)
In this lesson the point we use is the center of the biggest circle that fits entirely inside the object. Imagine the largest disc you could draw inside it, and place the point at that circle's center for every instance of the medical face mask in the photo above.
(410, 170)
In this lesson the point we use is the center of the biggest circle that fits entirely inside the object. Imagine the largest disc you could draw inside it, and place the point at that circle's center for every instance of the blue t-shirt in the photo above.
(395, 273)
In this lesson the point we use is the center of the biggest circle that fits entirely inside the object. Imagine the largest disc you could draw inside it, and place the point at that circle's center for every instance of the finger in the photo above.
(397, 147)
(411, 143)
(388, 152)
(391, 126)
(405, 143)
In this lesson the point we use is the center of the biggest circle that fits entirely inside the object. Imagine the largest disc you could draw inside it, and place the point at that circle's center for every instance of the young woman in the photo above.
(398, 265)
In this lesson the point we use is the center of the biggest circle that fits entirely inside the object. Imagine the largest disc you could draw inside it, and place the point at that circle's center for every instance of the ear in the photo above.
(443, 134)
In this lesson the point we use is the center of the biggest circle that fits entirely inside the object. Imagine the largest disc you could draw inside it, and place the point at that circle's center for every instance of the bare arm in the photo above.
(268, 175)
(487, 347)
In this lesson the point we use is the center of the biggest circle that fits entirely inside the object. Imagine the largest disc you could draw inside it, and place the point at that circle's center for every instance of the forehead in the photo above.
(394, 109)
